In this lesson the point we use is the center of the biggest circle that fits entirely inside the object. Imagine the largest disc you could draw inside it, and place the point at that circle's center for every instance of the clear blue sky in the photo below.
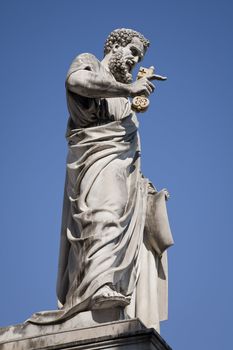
(187, 141)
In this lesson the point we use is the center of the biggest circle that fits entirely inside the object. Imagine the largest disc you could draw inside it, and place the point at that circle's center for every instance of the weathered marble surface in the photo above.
(125, 335)
(115, 229)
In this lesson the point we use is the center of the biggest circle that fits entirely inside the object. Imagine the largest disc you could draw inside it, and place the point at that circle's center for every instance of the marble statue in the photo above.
(115, 229)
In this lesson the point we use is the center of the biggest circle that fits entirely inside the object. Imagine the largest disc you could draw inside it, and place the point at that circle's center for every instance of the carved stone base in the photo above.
(122, 334)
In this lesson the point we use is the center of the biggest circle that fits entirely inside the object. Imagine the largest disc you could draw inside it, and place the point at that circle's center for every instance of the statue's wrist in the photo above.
(127, 89)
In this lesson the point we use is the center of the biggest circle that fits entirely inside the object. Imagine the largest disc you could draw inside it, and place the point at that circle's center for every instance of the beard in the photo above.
(119, 68)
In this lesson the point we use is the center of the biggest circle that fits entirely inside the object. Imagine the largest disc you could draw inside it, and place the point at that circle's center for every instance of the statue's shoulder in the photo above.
(86, 57)
(83, 61)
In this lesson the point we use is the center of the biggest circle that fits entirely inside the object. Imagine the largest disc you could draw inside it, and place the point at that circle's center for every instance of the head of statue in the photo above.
(125, 48)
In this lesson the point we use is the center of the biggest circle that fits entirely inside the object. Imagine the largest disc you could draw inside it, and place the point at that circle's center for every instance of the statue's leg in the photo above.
(109, 190)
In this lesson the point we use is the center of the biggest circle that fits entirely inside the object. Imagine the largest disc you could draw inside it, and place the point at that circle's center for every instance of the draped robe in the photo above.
(104, 211)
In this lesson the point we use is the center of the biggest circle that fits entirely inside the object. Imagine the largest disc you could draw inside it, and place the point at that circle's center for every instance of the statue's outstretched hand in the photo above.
(141, 87)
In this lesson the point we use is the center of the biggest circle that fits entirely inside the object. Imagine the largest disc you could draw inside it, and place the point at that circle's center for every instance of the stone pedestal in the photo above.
(74, 334)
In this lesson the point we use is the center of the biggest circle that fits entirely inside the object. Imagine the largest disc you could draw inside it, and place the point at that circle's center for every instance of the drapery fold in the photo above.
(108, 235)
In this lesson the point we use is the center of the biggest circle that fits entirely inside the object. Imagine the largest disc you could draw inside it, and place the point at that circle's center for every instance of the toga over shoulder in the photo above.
(83, 111)
(87, 111)
(85, 61)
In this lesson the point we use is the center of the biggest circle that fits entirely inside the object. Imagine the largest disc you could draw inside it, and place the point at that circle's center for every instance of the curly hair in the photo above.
(123, 37)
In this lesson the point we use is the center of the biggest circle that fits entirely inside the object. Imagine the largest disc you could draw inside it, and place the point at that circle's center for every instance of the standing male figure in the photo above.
(106, 260)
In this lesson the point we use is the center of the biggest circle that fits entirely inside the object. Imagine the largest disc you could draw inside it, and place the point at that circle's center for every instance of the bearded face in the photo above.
(119, 67)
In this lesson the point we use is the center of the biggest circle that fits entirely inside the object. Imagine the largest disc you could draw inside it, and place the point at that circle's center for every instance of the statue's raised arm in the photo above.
(119, 62)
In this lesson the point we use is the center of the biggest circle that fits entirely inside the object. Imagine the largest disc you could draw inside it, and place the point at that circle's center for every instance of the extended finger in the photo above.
(156, 77)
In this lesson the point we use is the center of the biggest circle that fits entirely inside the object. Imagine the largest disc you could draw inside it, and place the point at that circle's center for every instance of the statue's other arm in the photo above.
(91, 84)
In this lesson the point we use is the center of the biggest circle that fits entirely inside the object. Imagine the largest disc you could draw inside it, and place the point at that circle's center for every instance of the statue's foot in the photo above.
(106, 297)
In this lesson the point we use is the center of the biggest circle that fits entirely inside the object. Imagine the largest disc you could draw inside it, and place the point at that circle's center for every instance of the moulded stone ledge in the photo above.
(116, 335)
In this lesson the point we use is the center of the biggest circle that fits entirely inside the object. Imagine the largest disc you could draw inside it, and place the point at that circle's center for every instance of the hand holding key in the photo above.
(143, 87)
